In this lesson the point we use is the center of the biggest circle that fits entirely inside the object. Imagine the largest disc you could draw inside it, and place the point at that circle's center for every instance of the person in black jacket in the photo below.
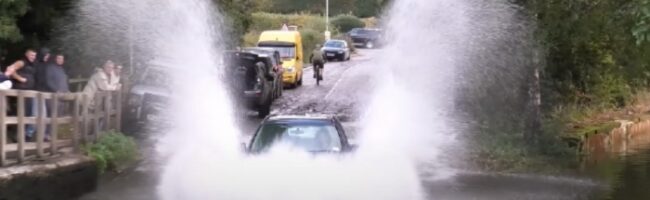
(42, 61)
(23, 74)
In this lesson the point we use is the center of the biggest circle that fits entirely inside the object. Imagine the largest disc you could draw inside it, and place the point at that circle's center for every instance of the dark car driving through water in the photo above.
(313, 134)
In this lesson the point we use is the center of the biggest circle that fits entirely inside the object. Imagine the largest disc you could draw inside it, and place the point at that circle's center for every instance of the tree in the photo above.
(238, 17)
(346, 23)
(9, 13)
(367, 8)
(641, 30)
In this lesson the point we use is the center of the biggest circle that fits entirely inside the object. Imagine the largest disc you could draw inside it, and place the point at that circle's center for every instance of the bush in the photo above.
(113, 150)
(345, 23)
(250, 39)
(309, 40)
(268, 21)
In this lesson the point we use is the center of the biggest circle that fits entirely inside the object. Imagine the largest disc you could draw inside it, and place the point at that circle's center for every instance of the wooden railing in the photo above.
(85, 121)
(77, 84)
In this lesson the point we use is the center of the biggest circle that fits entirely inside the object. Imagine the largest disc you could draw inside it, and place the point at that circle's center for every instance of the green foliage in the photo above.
(367, 8)
(270, 21)
(362, 8)
(641, 30)
(592, 58)
(9, 13)
(507, 152)
(238, 18)
(345, 23)
(112, 151)
(306, 6)
(309, 40)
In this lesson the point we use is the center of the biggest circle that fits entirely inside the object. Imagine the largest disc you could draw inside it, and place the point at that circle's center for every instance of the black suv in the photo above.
(148, 95)
(367, 38)
(254, 77)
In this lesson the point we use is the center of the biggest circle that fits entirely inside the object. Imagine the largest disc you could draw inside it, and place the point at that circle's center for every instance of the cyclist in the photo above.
(318, 62)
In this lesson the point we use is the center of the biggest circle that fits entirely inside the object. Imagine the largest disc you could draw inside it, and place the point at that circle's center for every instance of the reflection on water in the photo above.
(628, 176)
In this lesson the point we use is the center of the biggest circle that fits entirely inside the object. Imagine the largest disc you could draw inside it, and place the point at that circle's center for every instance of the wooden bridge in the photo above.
(74, 119)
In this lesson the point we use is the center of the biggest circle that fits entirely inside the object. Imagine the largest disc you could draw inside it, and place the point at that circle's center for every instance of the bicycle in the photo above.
(317, 72)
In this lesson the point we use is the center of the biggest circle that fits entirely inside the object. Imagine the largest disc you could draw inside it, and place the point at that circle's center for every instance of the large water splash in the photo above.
(410, 123)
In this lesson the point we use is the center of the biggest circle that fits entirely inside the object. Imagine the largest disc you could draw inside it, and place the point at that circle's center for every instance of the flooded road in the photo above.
(624, 178)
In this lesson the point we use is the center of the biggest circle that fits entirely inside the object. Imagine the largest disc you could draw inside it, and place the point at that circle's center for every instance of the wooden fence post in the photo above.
(40, 133)
(96, 115)
(76, 125)
(107, 111)
(54, 127)
(21, 126)
(118, 112)
(84, 115)
(3, 129)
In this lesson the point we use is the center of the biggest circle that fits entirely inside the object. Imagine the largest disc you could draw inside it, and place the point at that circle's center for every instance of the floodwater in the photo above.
(626, 176)
(615, 177)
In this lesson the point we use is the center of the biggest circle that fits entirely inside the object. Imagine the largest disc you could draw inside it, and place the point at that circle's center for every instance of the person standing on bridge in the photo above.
(102, 80)
(317, 62)
(23, 73)
(56, 80)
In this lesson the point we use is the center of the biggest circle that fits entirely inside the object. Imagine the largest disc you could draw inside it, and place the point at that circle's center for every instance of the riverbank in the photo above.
(571, 135)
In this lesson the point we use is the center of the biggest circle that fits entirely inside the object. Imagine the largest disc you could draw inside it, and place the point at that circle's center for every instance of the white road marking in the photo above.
(337, 83)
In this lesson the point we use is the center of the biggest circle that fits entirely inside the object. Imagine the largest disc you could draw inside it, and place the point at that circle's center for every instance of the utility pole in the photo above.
(327, 20)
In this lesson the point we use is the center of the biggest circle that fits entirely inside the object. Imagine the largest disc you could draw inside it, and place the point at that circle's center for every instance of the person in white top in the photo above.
(102, 80)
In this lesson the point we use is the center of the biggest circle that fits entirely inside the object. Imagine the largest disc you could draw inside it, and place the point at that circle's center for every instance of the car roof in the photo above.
(255, 54)
(260, 50)
(309, 117)
(336, 41)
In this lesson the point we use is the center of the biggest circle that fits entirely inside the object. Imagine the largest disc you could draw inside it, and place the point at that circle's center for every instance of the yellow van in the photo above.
(289, 44)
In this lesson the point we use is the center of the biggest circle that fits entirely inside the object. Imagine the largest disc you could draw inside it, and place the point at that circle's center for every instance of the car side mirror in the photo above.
(353, 146)
(244, 148)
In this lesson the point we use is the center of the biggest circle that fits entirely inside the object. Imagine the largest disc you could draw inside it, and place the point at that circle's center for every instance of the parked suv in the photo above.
(254, 77)
(365, 37)
(149, 95)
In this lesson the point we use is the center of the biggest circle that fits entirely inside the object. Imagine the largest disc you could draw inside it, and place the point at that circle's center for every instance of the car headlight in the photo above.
(135, 100)
(340, 51)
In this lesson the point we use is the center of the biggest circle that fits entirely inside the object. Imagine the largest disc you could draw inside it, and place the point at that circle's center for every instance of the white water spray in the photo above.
(409, 122)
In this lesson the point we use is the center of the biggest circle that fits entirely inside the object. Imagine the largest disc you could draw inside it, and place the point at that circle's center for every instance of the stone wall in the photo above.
(65, 177)
(628, 138)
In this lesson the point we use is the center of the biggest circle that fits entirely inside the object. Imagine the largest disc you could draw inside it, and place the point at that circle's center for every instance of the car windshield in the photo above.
(334, 44)
(311, 137)
(285, 52)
